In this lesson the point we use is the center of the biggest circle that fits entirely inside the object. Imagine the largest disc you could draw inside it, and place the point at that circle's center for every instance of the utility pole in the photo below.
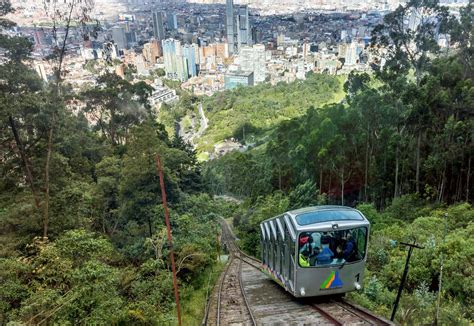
(404, 276)
(170, 238)
(438, 303)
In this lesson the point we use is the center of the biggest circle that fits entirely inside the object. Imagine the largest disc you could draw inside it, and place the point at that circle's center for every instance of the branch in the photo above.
(186, 257)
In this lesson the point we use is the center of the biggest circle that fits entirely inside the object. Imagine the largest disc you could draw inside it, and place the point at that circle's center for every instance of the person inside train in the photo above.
(326, 255)
(304, 258)
(316, 237)
(349, 250)
(308, 243)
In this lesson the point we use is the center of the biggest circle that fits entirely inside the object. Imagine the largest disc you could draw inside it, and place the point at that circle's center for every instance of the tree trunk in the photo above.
(330, 184)
(320, 180)
(366, 172)
(24, 159)
(467, 178)
(150, 228)
(395, 191)
(417, 178)
(342, 187)
(279, 178)
(46, 182)
(442, 184)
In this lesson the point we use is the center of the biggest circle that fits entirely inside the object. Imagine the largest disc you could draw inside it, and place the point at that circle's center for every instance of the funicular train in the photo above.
(316, 251)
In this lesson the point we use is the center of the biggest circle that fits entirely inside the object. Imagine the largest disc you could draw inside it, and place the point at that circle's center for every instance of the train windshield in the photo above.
(328, 215)
(331, 248)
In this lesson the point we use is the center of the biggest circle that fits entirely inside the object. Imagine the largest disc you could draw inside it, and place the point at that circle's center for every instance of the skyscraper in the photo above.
(170, 50)
(172, 20)
(158, 28)
(118, 35)
(244, 34)
(176, 62)
(189, 54)
(229, 25)
(181, 68)
(252, 58)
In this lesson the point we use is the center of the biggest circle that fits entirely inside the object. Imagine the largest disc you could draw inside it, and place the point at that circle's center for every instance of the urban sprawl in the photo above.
(210, 47)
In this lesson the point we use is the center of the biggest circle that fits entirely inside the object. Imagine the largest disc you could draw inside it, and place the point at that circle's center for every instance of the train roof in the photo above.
(322, 217)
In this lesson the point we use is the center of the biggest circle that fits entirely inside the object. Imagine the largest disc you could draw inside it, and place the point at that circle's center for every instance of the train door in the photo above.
(290, 238)
(267, 245)
(280, 249)
(262, 244)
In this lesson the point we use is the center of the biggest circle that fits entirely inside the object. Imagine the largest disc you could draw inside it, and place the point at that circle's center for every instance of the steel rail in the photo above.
(206, 312)
(363, 313)
(221, 285)
(244, 295)
(326, 315)
(355, 313)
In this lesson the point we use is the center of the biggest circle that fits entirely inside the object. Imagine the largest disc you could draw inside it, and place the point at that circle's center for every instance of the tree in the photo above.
(408, 46)
(116, 105)
(462, 36)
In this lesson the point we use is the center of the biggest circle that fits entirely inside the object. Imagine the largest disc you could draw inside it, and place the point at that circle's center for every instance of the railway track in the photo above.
(229, 304)
(246, 296)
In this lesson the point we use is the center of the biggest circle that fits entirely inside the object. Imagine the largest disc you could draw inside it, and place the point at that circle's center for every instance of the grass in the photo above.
(193, 308)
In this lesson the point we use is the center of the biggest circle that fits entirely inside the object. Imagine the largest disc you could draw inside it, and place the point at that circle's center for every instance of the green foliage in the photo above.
(261, 108)
(248, 222)
(407, 207)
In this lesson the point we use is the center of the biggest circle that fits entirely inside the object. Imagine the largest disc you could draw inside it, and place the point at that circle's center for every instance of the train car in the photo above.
(316, 251)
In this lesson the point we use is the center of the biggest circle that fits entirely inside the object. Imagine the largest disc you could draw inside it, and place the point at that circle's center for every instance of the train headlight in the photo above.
(302, 292)
(357, 286)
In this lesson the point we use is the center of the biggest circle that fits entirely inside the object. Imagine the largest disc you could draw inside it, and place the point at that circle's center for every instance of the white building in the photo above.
(252, 59)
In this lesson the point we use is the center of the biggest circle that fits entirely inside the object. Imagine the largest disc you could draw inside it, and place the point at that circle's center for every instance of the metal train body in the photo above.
(304, 273)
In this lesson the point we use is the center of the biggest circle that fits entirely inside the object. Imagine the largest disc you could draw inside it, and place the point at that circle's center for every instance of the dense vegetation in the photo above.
(248, 114)
(82, 236)
(399, 148)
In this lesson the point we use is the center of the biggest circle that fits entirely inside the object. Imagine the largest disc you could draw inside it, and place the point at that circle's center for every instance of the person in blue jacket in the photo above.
(349, 248)
(326, 255)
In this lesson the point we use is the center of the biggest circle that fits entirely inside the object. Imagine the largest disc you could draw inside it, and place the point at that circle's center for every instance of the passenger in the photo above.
(349, 248)
(304, 238)
(326, 254)
(306, 242)
(316, 236)
(304, 258)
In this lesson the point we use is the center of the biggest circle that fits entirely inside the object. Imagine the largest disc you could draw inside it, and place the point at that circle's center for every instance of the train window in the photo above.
(331, 248)
(328, 215)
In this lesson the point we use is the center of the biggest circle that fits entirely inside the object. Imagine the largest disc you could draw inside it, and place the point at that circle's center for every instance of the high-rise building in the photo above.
(229, 25)
(151, 52)
(158, 28)
(176, 63)
(189, 54)
(252, 58)
(182, 73)
(141, 65)
(172, 20)
(222, 50)
(118, 35)
(171, 48)
(238, 28)
(244, 34)
(353, 52)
